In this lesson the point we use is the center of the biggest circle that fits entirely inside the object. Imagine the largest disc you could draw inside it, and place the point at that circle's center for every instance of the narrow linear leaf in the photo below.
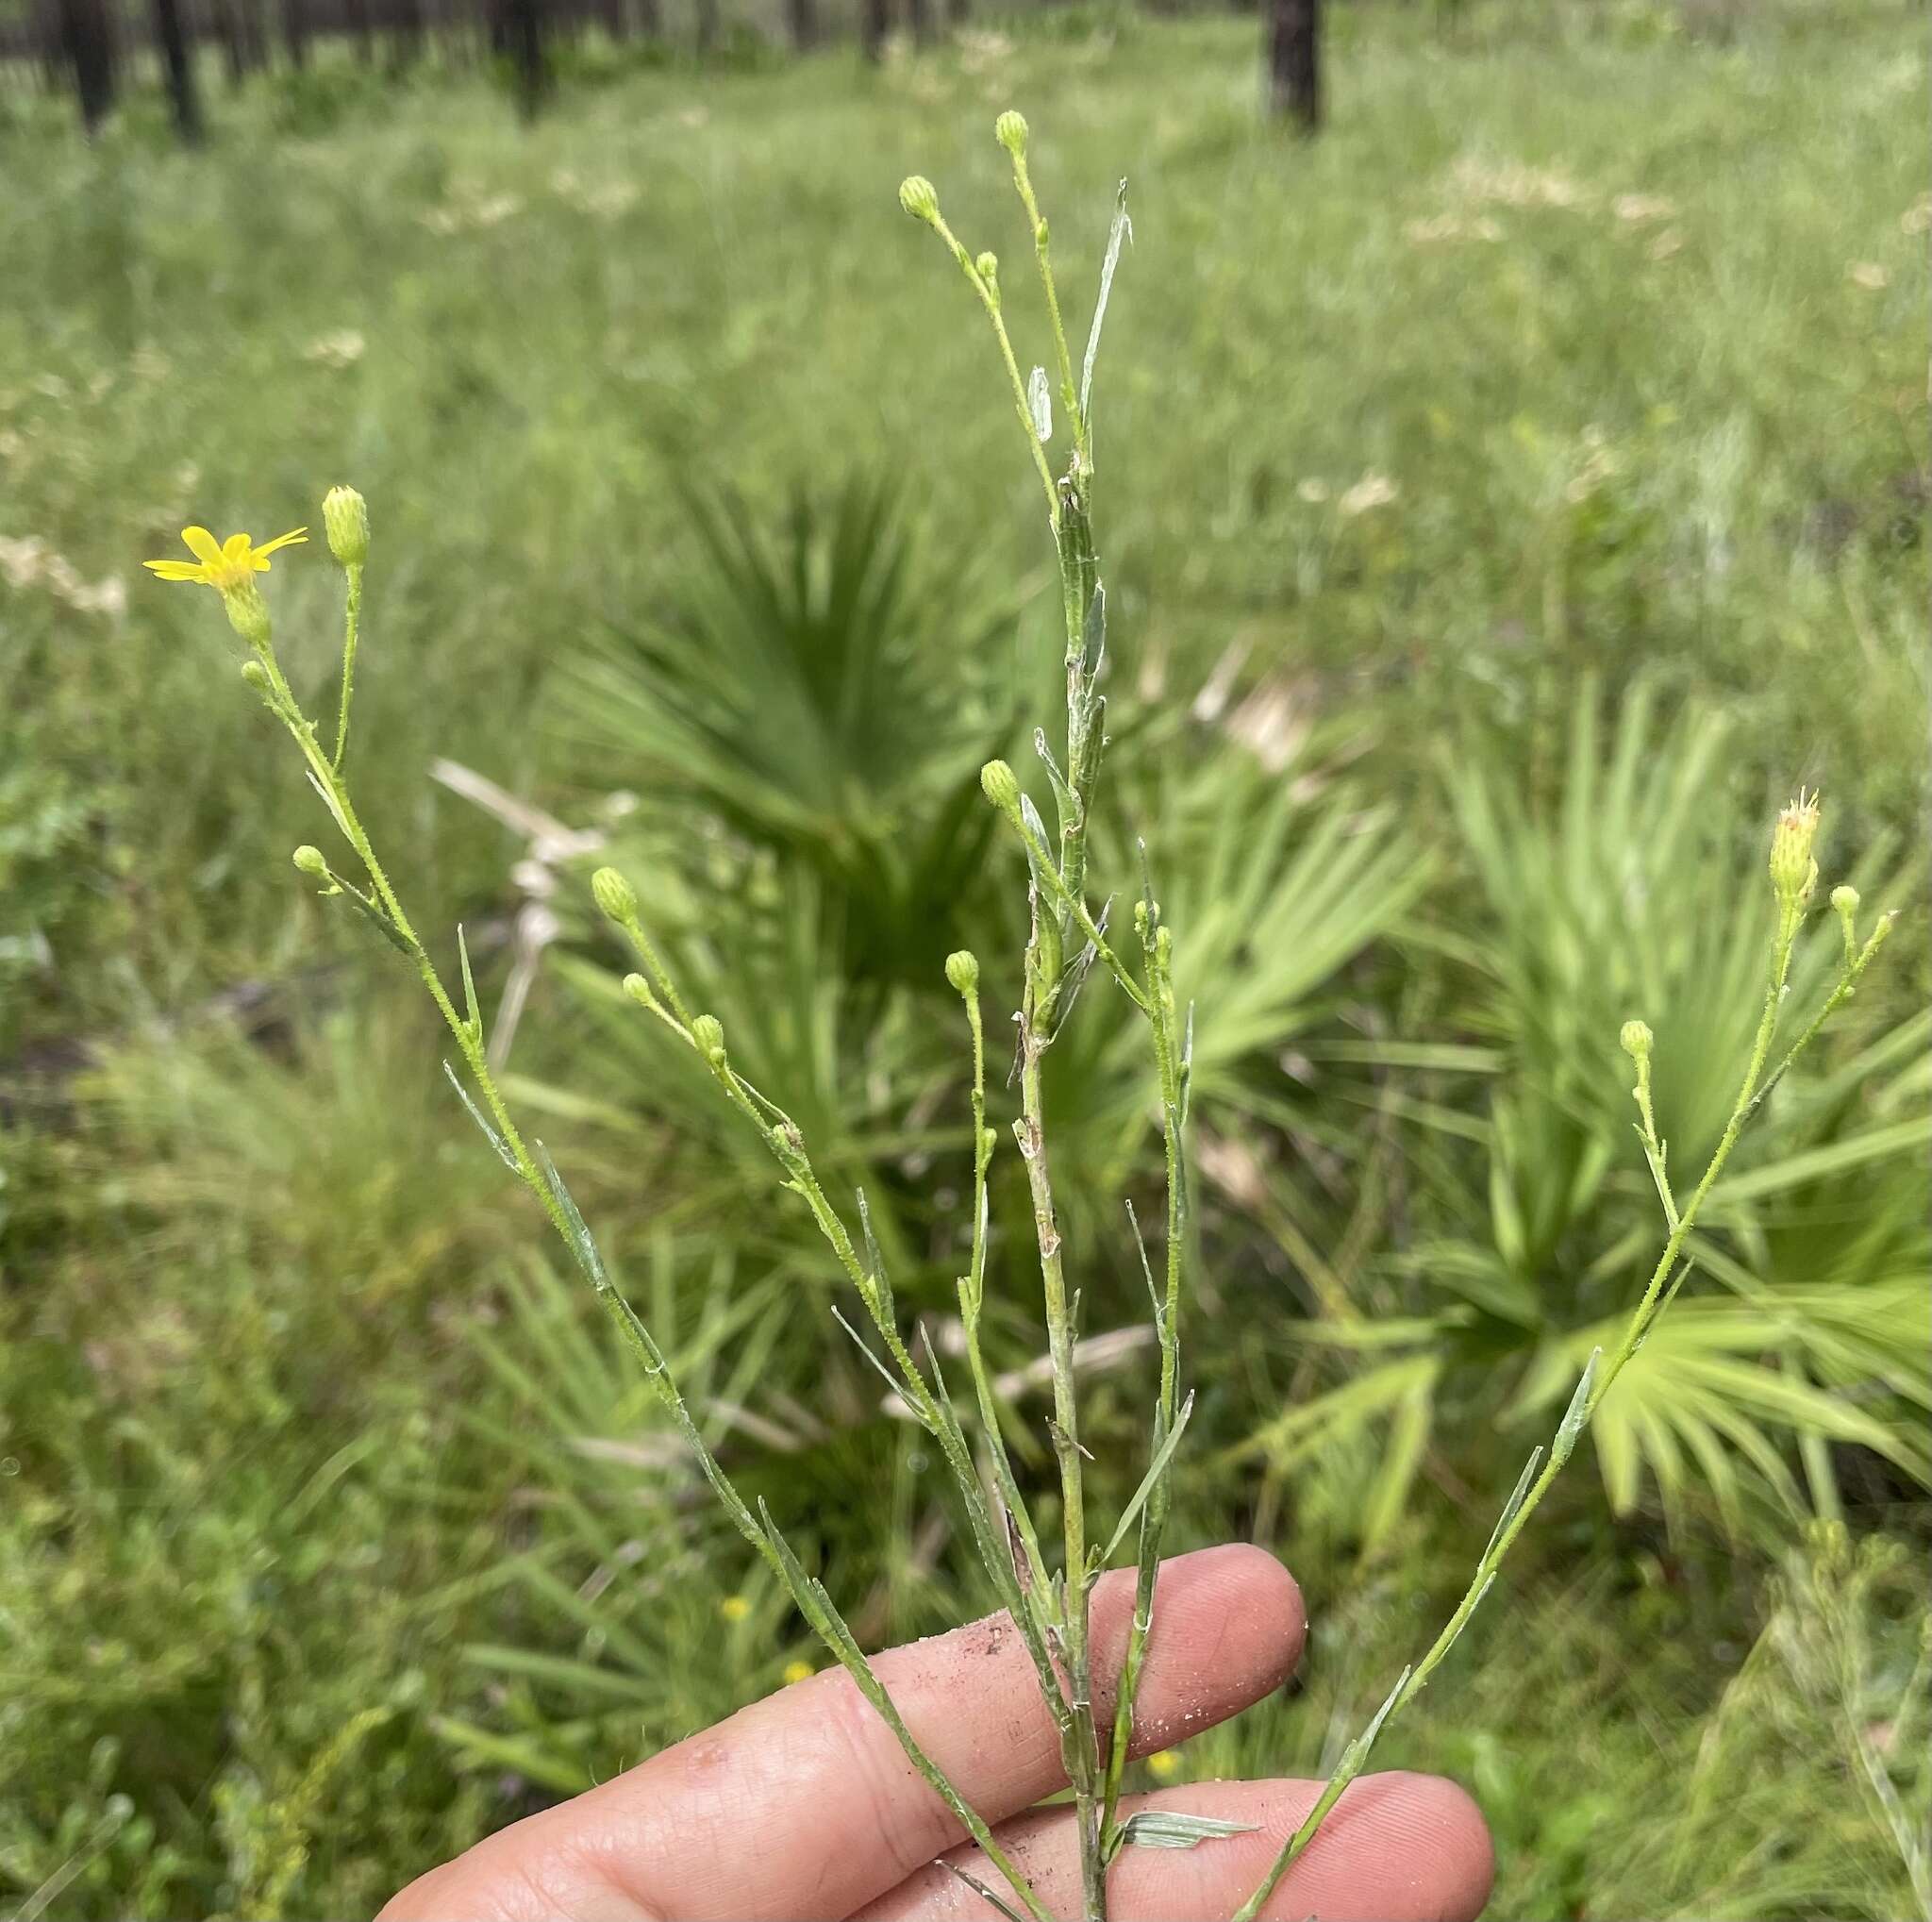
(1573, 1417)
(1122, 230)
(1166, 1829)
(991, 1898)
(1155, 1470)
(1040, 404)
(1515, 1501)
(473, 1013)
(476, 1115)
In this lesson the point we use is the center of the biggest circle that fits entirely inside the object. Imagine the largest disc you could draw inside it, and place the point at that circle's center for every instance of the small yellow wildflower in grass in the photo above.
(734, 1608)
(223, 566)
(798, 1671)
(1163, 1764)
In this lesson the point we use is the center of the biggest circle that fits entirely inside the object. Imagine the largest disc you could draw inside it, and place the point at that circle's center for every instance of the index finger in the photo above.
(805, 1804)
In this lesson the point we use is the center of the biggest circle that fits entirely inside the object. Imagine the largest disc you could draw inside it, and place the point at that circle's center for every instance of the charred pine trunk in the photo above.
(802, 20)
(177, 68)
(86, 50)
(708, 26)
(1294, 61)
(874, 20)
(296, 33)
(524, 32)
(919, 18)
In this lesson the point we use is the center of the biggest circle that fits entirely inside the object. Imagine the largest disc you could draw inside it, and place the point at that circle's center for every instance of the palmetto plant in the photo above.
(828, 698)
(1808, 1320)
(1075, 951)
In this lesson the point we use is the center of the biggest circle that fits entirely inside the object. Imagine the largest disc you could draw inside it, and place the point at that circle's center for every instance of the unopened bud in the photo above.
(707, 1033)
(247, 613)
(310, 861)
(1792, 870)
(1009, 129)
(988, 268)
(1001, 786)
(1844, 897)
(256, 676)
(920, 198)
(615, 897)
(962, 970)
(1636, 1040)
(345, 517)
(639, 991)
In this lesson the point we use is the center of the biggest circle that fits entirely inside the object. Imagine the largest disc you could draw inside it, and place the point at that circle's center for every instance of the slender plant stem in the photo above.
(1415, 1679)
(351, 619)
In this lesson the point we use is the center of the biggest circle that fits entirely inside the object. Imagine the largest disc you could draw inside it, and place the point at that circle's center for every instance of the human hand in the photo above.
(804, 1805)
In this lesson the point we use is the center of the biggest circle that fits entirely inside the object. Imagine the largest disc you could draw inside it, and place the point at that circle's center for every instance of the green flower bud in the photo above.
(708, 1031)
(1636, 1039)
(256, 676)
(1001, 786)
(247, 613)
(1792, 870)
(639, 991)
(988, 268)
(920, 198)
(346, 518)
(310, 861)
(962, 970)
(615, 897)
(1009, 129)
(988, 1139)
(1844, 897)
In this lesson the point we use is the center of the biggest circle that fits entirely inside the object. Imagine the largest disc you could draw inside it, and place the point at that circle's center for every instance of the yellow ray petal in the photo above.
(235, 547)
(176, 570)
(201, 543)
(301, 534)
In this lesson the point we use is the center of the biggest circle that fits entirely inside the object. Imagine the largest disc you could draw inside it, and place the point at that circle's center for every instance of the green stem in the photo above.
(1749, 1095)
(351, 620)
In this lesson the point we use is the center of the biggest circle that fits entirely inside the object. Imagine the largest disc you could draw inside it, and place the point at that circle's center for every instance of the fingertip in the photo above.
(1260, 1585)
(1443, 1818)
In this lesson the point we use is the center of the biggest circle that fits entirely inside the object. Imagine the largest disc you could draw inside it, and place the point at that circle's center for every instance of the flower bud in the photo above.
(1636, 1039)
(988, 268)
(1792, 870)
(615, 897)
(707, 1033)
(1001, 786)
(310, 861)
(639, 991)
(345, 517)
(920, 198)
(1009, 129)
(962, 970)
(256, 676)
(1844, 899)
(247, 613)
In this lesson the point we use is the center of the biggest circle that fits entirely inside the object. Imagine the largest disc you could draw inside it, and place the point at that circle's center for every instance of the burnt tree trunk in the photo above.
(874, 18)
(296, 33)
(708, 26)
(87, 51)
(919, 18)
(524, 35)
(177, 68)
(1294, 61)
(802, 20)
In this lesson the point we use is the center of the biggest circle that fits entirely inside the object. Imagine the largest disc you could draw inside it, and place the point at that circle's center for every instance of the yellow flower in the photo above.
(224, 565)
(1163, 1764)
(734, 1608)
(799, 1671)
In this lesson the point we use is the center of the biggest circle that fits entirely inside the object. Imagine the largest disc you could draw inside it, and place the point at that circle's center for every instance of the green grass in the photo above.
(295, 1420)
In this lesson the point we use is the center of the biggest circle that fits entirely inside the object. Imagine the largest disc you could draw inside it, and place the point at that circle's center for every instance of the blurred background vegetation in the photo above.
(1510, 496)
